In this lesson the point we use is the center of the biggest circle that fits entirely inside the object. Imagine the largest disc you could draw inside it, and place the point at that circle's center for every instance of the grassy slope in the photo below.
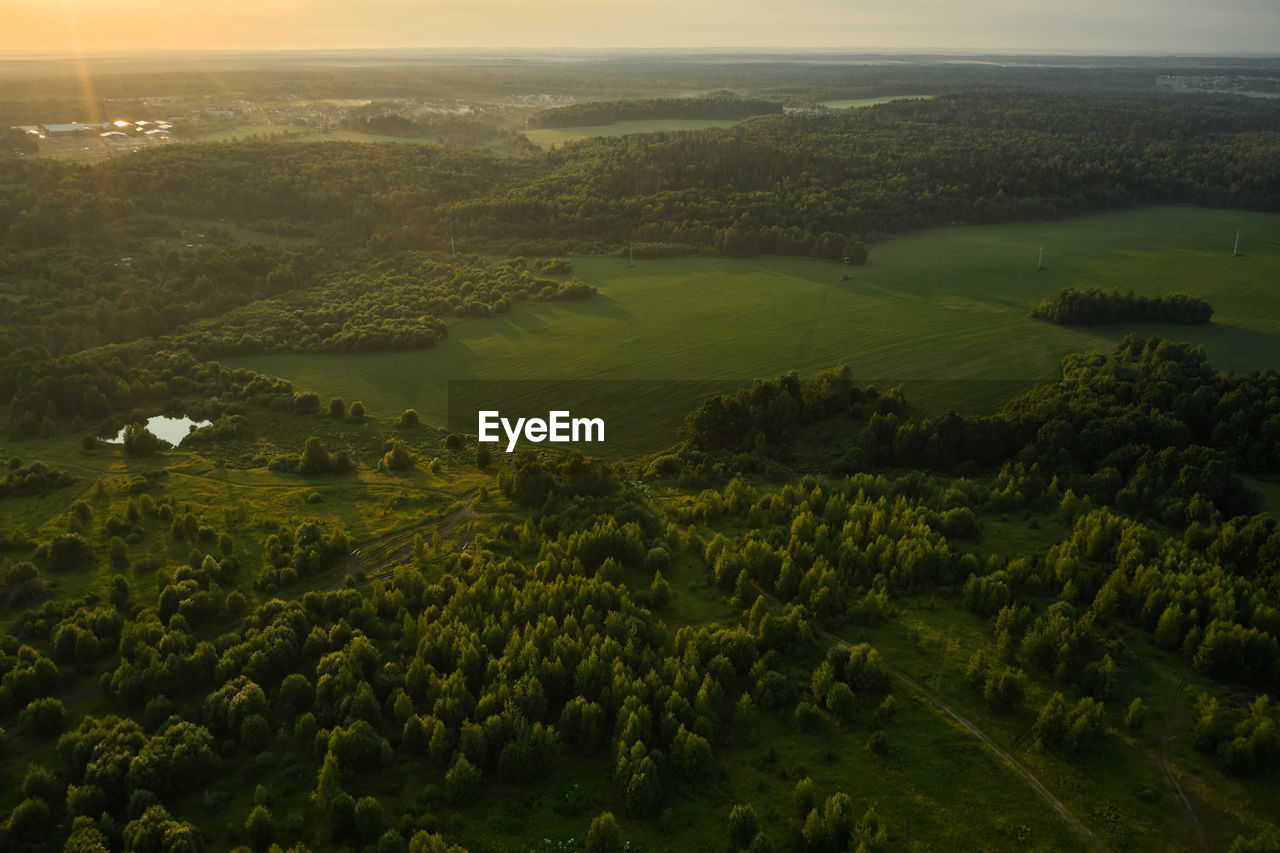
(945, 310)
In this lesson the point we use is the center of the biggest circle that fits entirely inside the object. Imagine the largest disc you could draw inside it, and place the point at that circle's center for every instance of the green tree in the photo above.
(462, 781)
(743, 826)
(604, 835)
(259, 827)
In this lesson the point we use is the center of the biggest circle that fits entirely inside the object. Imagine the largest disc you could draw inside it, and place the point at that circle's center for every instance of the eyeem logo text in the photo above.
(560, 427)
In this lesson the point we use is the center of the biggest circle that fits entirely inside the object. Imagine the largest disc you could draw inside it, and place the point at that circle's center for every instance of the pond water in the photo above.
(172, 430)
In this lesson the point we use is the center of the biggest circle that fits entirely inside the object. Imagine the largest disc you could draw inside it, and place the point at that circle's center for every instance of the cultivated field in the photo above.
(945, 311)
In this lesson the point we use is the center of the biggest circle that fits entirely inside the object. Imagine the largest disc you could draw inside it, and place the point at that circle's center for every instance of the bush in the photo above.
(809, 717)
(396, 457)
(357, 410)
(69, 551)
(409, 418)
(337, 408)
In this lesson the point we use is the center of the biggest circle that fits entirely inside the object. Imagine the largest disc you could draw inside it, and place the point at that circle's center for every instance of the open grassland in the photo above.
(848, 103)
(546, 137)
(944, 311)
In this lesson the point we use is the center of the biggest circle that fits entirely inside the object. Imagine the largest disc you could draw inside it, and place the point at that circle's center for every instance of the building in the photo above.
(74, 127)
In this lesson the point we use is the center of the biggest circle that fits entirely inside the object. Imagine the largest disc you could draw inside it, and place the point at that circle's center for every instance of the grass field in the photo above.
(546, 137)
(945, 311)
(848, 103)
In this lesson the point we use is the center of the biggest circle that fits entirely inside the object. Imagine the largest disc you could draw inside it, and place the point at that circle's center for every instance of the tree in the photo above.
(315, 459)
(408, 419)
(604, 835)
(743, 826)
(337, 408)
(44, 716)
(139, 441)
(260, 827)
(462, 781)
(357, 410)
(371, 817)
(255, 732)
(85, 837)
(1136, 715)
(841, 702)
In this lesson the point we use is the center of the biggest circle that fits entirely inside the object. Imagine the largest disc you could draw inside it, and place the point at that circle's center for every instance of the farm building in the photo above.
(71, 127)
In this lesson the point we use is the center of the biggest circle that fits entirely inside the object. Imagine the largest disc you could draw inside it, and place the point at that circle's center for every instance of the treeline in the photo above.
(268, 299)
(1150, 428)
(715, 106)
(1093, 307)
(393, 301)
(814, 184)
(801, 184)
(441, 128)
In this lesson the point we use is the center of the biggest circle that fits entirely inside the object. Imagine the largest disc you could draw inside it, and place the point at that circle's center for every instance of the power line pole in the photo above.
(1235, 251)
(1040, 263)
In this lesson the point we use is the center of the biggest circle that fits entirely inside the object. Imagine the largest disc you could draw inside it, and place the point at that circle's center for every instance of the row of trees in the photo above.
(1093, 307)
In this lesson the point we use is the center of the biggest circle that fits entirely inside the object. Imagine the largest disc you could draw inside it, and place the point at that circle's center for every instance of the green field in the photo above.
(546, 137)
(847, 103)
(949, 304)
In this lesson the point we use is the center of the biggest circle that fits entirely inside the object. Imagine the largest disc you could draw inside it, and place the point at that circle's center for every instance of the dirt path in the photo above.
(1193, 822)
(393, 549)
(1170, 778)
(1008, 758)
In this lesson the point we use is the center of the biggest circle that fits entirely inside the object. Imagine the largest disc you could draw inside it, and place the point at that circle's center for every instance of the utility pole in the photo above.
(452, 247)
(1236, 250)
(1040, 263)
(631, 250)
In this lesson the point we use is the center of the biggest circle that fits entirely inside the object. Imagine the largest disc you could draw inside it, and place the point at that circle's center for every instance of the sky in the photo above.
(1035, 26)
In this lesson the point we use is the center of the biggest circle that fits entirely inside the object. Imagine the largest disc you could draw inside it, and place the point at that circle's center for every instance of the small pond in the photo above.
(172, 430)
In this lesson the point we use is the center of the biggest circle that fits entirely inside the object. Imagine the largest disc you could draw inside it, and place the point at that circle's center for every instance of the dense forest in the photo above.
(713, 106)
(1093, 307)
(796, 184)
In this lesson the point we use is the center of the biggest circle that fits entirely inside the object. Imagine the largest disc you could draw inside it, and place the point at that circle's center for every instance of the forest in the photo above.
(824, 619)
(546, 642)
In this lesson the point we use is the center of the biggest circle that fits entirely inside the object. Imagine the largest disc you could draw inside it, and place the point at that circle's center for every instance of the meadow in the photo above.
(945, 312)
(850, 103)
(548, 136)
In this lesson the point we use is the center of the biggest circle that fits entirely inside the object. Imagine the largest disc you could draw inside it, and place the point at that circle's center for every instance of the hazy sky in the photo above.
(1077, 26)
